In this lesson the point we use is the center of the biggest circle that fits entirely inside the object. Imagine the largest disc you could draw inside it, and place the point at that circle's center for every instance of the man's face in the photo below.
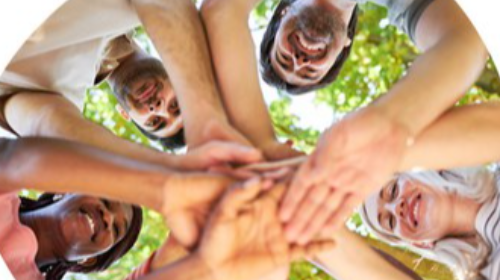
(150, 99)
(311, 36)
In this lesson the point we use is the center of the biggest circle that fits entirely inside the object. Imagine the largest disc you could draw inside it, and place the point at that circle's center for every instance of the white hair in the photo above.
(465, 256)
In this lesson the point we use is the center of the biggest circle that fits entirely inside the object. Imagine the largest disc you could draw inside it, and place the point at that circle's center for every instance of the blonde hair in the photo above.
(465, 256)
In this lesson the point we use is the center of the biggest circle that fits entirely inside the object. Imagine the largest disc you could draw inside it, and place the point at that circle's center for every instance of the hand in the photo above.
(275, 151)
(216, 153)
(352, 159)
(187, 202)
(244, 239)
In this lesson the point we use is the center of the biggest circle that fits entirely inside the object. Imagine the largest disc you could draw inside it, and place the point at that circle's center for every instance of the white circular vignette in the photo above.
(484, 16)
(19, 18)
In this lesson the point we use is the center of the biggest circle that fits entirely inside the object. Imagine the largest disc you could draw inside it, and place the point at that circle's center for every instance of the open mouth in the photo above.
(92, 221)
(414, 210)
(312, 48)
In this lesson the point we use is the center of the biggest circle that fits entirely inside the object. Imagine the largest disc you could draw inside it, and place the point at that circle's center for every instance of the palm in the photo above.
(248, 244)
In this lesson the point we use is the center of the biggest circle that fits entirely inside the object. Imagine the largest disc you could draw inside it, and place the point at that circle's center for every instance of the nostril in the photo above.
(297, 56)
(306, 60)
(158, 103)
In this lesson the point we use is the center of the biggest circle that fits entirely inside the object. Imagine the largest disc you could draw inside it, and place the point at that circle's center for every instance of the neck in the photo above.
(463, 216)
(44, 228)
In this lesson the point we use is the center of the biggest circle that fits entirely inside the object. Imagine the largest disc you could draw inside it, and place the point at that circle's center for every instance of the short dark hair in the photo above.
(57, 270)
(173, 142)
(269, 74)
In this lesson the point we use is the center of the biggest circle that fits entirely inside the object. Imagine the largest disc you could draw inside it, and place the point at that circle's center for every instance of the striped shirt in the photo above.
(488, 226)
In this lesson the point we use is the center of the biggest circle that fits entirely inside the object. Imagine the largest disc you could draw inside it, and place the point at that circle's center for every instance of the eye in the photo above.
(394, 189)
(173, 105)
(283, 60)
(116, 230)
(392, 222)
(286, 58)
(106, 203)
(310, 70)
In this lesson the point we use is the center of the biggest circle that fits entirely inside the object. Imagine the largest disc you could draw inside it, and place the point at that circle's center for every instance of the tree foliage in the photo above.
(380, 56)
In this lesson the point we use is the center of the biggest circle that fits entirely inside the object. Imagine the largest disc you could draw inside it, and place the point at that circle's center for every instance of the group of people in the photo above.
(228, 222)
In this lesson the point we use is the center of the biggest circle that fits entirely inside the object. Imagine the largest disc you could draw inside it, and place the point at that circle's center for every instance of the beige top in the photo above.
(64, 54)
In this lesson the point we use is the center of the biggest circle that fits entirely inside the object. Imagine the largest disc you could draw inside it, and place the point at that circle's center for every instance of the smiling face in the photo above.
(410, 211)
(146, 95)
(311, 36)
(90, 226)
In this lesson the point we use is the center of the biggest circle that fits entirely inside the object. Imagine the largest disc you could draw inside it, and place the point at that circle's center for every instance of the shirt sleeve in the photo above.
(3, 121)
(412, 15)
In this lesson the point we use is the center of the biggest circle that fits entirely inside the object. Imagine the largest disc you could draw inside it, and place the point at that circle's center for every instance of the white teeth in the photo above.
(415, 210)
(91, 223)
(309, 46)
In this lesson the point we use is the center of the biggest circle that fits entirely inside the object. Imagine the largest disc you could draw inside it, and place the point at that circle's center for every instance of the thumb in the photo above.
(184, 228)
(239, 195)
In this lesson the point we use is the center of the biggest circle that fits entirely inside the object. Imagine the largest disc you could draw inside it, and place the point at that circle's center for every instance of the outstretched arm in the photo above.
(352, 258)
(360, 153)
(464, 136)
(452, 59)
(177, 33)
(61, 166)
(51, 115)
(233, 54)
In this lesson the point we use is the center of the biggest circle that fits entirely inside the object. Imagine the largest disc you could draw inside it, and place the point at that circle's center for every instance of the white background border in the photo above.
(19, 18)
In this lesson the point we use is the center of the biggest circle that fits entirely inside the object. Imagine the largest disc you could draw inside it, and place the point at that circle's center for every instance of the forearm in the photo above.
(51, 115)
(233, 54)
(353, 259)
(55, 165)
(463, 136)
(453, 58)
(177, 33)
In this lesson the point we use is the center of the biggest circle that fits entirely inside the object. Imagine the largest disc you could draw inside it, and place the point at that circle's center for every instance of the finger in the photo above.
(224, 152)
(295, 192)
(184, 228)
(277, 174)
(337, 220)
(237, 196)
(234, 173)
(298, 252)
(307, 207)
(276, 192)
(321, 216)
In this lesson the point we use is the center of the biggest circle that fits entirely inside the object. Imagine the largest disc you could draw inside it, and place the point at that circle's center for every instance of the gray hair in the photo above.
(465, 256)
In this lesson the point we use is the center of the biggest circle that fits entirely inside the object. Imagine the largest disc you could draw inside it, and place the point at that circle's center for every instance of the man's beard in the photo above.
(318, 24)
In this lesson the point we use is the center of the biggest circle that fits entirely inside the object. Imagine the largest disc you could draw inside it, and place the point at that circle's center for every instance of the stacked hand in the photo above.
(244, 238)
(352, 159)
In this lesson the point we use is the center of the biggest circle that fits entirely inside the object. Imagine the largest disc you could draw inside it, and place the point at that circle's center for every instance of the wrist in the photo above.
(398, 127)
